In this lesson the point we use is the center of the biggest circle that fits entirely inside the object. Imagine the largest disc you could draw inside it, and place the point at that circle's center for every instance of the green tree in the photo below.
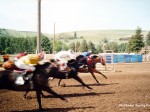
(78, 46)
(99, 48)
(75, 35)
(46, 44)
(2, 44)
(72, 46)
(84, 46)
(148, 39)
(64, 46)
(91, 46)
(113, 46)
(105, 40)
(136, 41)
(58, 46)
(123, 47)
(106, 46)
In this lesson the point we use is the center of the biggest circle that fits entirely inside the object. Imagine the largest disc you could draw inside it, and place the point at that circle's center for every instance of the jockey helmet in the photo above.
(24, 53)
(90, 51)
(71, 51)
(41, 56)
(32, 59)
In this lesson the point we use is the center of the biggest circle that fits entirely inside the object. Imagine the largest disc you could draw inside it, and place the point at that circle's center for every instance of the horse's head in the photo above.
(99, 59)
(46, 68)
(73, 64)
(103, 62)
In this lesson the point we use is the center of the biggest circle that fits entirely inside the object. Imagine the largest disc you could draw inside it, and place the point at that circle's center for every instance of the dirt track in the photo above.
(126, 90)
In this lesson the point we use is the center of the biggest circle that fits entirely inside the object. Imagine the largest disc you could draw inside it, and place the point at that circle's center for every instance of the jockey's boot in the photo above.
(31, 84)
(28, 78)
(84, 66)
(27, 75)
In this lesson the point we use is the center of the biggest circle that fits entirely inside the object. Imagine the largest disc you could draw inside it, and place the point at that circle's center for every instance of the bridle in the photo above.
(100, 59)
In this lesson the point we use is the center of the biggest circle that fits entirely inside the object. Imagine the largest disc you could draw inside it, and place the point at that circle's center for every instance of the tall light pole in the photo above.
(54, 40)
(39, 26)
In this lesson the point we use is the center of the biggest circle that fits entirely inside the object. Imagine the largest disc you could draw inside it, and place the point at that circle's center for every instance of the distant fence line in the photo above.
(122, 57)
(109, 57)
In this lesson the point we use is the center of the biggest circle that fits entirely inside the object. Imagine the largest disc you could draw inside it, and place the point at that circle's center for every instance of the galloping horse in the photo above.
(91, 65)
(39, 81)
(73, 73)
(56, 73)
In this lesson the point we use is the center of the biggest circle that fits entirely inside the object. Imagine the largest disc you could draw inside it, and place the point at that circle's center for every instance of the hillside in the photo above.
(16, 33)
(95, 36)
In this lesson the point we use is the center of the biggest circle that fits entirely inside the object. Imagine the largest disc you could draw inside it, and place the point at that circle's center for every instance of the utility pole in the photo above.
(39, 26)
(54, 40)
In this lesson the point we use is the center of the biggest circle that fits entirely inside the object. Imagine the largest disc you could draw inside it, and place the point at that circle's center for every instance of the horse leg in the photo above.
(25, 95)
(47, 89)
(43, 96)
(59, 82)
(51, 78)
(94, 76)
(79, 80)
(38, 96)
(96, 71)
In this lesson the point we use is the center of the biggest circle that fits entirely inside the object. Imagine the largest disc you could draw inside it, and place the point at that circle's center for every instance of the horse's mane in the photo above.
(5, 71)
(52, 60)
(45, 64)
(94, 56)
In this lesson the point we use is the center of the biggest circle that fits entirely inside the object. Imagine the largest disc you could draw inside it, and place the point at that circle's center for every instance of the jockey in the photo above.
(10, 64)
(20, 55)
(27, 62)
(83, 57)
(63, 57)
(87, 53)
(6, 57)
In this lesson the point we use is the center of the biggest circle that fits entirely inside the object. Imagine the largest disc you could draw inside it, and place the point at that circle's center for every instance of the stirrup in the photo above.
(67, 75)
(81, 66)
(19, 71)
(26, 78)
(31, 85)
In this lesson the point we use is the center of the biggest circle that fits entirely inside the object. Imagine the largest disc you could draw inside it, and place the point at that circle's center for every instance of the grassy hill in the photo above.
(95, 36)
(16, 33)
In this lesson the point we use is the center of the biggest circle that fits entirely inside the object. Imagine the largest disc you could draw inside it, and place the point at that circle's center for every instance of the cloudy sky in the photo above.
(75, 15)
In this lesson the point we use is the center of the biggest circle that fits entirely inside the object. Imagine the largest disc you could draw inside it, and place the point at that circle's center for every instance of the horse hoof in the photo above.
(28, 97)
(63, 85)
(99, 83)
(41, 109)
(90, 89)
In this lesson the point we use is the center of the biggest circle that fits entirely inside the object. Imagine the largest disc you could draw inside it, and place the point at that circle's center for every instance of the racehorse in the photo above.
(91, 65)
(39, 81)
(54, 72)
(72, 73)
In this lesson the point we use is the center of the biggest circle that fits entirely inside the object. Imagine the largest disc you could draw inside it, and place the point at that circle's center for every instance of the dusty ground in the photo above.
(126, 90)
